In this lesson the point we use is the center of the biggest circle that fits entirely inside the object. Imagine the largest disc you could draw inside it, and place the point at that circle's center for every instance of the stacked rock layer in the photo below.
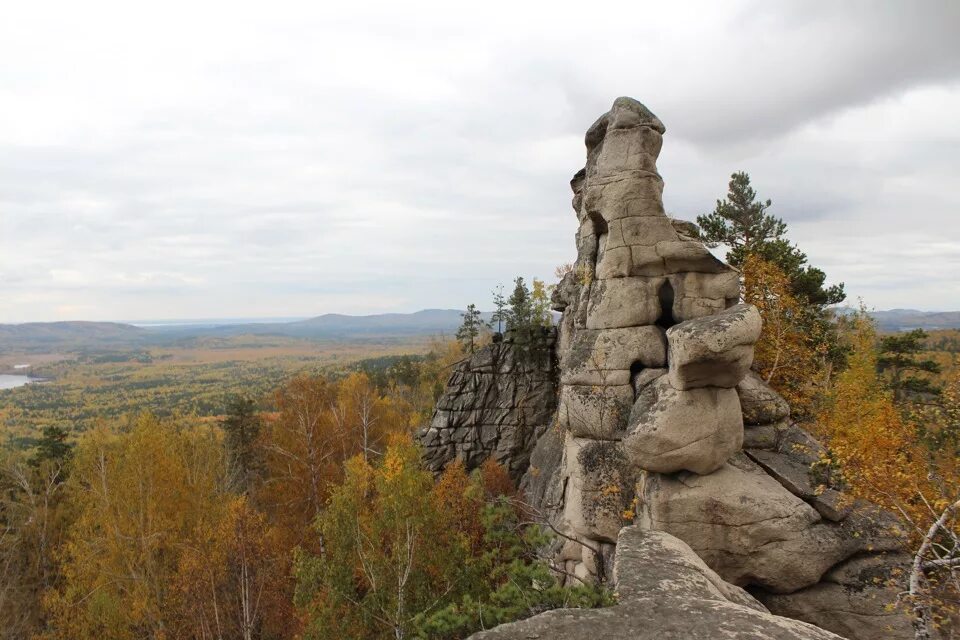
(660, 423)
(497, 403)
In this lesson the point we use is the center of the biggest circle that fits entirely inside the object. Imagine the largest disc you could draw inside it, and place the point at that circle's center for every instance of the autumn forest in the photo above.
(273, 489)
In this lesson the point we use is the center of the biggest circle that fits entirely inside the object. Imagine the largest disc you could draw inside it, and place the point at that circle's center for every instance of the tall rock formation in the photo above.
(660, 424)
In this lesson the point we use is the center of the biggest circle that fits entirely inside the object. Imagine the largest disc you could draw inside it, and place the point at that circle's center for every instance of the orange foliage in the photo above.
(318, 426)
(496, 480)
(786, 356)
(231, 580)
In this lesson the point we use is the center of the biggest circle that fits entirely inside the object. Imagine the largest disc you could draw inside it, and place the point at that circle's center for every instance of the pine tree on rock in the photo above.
(521, 310)
(501, 314)
(469, 331)
(740, 221)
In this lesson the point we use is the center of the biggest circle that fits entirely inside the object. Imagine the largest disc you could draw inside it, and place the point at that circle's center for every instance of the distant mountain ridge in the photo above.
(35, 336)
(329, 326)
(907, 319)
(68, 333)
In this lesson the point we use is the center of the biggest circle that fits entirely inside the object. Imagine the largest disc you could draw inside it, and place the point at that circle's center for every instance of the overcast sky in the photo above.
(209, 160)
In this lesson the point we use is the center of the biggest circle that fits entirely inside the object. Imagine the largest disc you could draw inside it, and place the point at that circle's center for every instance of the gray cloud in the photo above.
(236, 159)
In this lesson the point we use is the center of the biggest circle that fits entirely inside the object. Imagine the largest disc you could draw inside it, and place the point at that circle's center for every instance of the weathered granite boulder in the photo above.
(855, 599)
(665, 592)
(760, 403)
(607, 357)
(599, 488)
(595, 411)
(674, 430)
(623, 302)
(751, 530)
(714, 350)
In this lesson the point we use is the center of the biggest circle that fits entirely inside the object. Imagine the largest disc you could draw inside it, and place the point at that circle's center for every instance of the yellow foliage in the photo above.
(138, 496)
(875, 448)
(786, 356)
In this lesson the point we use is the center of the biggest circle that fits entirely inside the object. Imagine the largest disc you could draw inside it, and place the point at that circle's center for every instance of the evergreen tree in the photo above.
(53, 446)
(900, 357)
(469, 331)
(241, 428)
(521, 310)
(742, 223)
(501, 314)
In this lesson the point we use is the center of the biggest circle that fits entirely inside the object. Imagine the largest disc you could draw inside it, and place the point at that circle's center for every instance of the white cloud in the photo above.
(292, 158)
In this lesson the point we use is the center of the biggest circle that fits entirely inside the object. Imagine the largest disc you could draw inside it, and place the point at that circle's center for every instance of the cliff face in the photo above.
(648, 414)
(497, 403)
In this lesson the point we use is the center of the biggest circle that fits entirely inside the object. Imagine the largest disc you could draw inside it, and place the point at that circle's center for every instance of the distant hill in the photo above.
(330, 326)
(51, 336)
(907, 319)
(38, 336)
(428, 321)
(32, 336)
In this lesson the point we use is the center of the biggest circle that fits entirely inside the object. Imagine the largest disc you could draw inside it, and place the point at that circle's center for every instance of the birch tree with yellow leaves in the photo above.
(881, 457)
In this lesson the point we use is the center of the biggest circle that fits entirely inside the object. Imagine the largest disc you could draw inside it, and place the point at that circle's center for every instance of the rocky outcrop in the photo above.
(752, 531)
(660, 424)
(853, 599)
(664, 592)
(497, 403)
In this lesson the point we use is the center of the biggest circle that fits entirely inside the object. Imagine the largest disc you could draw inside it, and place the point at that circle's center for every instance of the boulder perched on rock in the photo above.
(715, 350)
(665, 592)
(675, 430)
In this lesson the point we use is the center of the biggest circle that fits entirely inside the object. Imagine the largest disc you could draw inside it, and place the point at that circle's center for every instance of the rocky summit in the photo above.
(673, 471)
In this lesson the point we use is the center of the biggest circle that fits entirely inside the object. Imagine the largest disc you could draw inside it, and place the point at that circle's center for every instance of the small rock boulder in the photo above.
(713, 351)
(760, 403)
(674, 430)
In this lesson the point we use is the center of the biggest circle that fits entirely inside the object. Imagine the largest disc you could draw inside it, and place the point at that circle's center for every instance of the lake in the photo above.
(10, 382)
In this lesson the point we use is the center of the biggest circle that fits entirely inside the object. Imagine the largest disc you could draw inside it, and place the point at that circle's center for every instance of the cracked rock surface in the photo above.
(665, 592)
